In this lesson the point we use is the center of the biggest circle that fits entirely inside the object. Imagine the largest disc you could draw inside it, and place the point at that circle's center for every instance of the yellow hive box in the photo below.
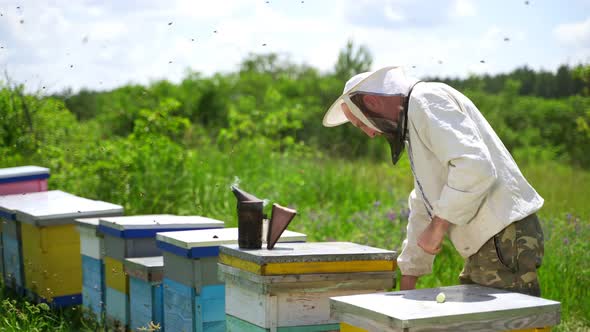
(50, 243)
(114, 274)
(52, 263)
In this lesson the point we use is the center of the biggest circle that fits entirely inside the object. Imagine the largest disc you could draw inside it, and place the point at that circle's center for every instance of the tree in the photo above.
(353, 60)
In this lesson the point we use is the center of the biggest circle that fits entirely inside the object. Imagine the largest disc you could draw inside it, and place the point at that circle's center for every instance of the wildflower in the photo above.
(566, 241)
(377, 204)
(391, 215)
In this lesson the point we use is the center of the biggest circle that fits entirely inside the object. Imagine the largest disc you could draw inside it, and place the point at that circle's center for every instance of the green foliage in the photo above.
(177, 148)
(352, 60)
(564, 83)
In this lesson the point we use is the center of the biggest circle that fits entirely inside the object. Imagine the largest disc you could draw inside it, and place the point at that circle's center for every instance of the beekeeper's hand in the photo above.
(430, 240)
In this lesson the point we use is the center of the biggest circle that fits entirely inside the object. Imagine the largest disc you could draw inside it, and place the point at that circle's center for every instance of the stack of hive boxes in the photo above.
(16, 180)
(288, 287)
(145, 291)
(194, 297)
(50, 263)
(134, 237)
(91, 252)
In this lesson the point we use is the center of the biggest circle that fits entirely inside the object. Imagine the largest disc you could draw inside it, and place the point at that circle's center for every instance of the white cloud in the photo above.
(134, 42)
(574, 34)
(463, 8)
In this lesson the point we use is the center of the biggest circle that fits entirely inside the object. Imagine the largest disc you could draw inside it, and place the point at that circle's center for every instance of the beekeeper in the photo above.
(466, 184)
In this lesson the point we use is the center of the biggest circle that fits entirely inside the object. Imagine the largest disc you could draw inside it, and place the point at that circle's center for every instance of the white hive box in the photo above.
(466, 308)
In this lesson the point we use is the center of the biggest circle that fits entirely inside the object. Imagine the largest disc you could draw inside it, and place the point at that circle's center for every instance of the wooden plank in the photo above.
(467, 308)
(309, 267)
(247, 305)
(377, 281)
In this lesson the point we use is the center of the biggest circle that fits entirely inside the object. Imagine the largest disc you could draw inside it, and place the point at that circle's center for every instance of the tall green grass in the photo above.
(336, 200)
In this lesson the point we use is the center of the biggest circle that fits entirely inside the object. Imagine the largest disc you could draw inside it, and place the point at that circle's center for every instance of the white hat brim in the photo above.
(335, 115)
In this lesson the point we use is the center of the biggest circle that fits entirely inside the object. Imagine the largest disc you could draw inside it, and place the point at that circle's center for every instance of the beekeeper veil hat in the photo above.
(387, 81)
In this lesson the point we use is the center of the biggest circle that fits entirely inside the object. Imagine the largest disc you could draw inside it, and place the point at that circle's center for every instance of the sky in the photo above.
(50, 45)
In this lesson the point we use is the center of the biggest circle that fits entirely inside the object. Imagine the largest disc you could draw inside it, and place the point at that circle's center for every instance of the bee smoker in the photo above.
(250, 216)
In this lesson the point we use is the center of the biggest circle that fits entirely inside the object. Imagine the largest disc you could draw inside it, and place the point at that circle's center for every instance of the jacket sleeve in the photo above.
(414, 260)
(454, 139)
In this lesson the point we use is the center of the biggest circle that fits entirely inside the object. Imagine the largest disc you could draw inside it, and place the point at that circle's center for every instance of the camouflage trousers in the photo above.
(509, 260)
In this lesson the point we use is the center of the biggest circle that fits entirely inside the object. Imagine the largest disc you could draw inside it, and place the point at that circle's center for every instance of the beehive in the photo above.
(145, 291)
(288, 287)
(23, 179)
(17, 180)
(466, 308)
(51, 261)
(133, 237)
(194, 297)
(91, 251)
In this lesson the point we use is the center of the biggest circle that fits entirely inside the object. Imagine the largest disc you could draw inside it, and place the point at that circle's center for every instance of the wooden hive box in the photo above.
(288, 287)
(145, 291)
(133, 237)
(91, 251)
(17, 180)
(51, 259)
(23, 179)
(12, 240)
(466, 308)
(194, 297)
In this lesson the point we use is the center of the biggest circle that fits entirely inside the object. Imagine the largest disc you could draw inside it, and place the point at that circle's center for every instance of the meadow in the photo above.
(177, 148)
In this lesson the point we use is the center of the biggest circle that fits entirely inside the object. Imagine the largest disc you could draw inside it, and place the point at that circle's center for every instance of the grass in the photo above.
(359, 201)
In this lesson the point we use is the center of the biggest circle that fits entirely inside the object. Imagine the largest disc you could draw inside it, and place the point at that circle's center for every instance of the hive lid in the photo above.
(9, 203)
(23, 173)
(148, 225)
(464, 305)
(309, 252)
(196, 243)
(55, 207)
(87, 222)
(149, 269)
(150, 263)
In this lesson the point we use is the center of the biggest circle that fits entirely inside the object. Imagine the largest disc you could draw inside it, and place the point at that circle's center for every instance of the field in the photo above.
(360, 201)
(177, 148)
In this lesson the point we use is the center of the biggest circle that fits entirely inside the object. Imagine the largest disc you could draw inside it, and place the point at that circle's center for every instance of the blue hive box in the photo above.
(145, 291)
